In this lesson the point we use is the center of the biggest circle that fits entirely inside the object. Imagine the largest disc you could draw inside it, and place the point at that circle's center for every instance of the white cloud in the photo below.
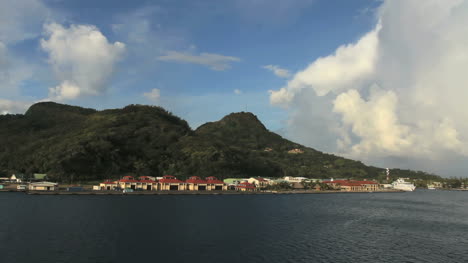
(280, 72)
(82, 59)
(349, 65)
(375, 121)
(153, 95)
(13, 107)
(213, 61)
(417, 57)
(237, 91)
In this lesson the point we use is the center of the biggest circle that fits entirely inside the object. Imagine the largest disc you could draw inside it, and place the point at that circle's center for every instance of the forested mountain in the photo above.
(76, 144)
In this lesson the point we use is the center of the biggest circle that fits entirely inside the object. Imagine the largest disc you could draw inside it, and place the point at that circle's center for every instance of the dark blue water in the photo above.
(422, 226)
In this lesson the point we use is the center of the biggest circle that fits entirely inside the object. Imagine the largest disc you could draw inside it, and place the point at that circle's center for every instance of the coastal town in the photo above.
(210, 184)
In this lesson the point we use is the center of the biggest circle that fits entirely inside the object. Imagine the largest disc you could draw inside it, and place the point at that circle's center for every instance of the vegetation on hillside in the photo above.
(73, 144)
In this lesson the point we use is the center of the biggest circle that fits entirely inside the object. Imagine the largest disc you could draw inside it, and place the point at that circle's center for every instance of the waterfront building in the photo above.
(353, 186)
(246, 186)
(215, 184)
(148, 183)
(291, 179)
(195, 183)
(169, 182)
(108, 185)
(16, 179)
(233, 182)
(259, 182)
(43, 186)
(128, 182)
(144, 183)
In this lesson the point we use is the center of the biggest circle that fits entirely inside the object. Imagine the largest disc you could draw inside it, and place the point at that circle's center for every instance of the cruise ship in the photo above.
(400, 184)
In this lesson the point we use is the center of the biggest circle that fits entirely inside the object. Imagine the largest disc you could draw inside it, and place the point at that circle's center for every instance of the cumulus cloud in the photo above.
(153, 95)
(213, 61)
(400, 90)
(13, 107)
(280, 72)
(349, 65)
(375, 121)
(82, 58)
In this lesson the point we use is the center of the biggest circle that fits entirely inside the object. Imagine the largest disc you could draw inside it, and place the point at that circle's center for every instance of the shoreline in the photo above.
(60, 192)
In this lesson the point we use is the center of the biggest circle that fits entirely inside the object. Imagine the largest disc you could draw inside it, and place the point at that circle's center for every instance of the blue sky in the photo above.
(288, 34)
(365, 79)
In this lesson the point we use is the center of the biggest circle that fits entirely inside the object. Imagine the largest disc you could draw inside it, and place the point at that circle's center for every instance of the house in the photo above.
(43, 186)
(128, 182)
(108, 185)
(148, 183)
(233, 182)
(144, 183)
(16, 179)
(296, 151)
(246, 186)
(259, 182)
(171, 183)
(215, 184)
(195, 183)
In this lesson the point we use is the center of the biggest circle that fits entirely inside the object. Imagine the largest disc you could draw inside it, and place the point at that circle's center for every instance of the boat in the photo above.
(401, 184)
(429, 187)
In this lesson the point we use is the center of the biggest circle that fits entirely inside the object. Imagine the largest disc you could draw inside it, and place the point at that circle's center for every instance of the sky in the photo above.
(381, 81)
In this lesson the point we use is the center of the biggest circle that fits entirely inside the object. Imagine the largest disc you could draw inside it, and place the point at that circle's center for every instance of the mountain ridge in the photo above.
(72, 143)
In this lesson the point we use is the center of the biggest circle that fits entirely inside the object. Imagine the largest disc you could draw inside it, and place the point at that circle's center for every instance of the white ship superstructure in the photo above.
(401, 184)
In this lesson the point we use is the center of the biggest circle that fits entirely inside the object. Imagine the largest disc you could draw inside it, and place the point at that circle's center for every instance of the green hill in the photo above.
(77, 144)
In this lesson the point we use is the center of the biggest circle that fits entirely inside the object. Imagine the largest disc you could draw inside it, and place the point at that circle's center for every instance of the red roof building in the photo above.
(108, 185)
(245, 186)
(195, 183)
(215, 184)
(354, 186)
(169, 182)
(143, 184)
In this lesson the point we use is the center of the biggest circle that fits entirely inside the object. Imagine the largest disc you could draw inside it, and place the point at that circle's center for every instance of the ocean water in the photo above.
(422, 226)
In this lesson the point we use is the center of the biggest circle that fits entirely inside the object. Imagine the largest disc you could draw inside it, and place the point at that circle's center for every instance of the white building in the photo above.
(291, 179)
(15, 179)
(259, 182)
(43, 186)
